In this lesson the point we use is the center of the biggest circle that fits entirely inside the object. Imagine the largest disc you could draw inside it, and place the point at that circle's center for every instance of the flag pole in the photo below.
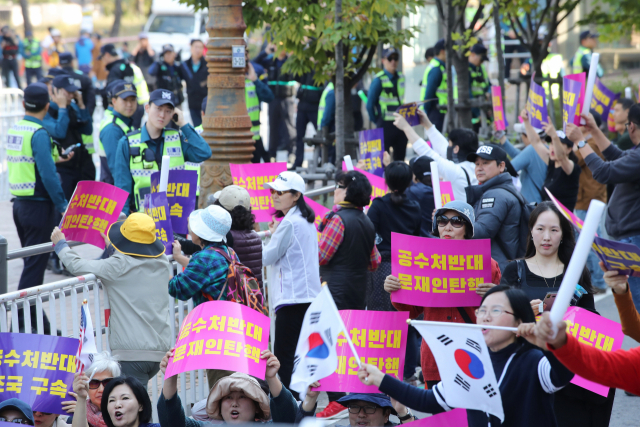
(465, 325)
(344, 327)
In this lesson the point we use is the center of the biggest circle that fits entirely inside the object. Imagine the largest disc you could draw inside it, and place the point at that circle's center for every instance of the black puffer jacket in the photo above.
(248, 247)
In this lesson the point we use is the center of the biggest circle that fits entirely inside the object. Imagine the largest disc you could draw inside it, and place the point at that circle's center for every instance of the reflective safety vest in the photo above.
(577, 59)
(479, 81)
(141, 170)
(552, 68)
(190, 166)
(425, 76)
(36, 60)
(107, 119)
(389, 99)
(323, 104)
(253, 107)
(142, 90)
(20, 160)
(441, 91)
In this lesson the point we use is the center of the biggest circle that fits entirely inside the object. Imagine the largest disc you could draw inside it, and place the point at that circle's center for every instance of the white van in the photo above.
(175, 23)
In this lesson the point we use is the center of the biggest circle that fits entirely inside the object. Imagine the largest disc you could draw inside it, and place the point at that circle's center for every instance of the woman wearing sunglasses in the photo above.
(292, 252)
(454, 221)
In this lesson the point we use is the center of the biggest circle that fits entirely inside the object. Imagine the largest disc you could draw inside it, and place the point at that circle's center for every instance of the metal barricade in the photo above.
(11, 111)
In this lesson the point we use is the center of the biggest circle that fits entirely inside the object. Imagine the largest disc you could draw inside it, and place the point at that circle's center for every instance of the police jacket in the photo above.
(86, 87)
(169, 77)
(497, 216)
(309, 93)
(196, 82)
(118, 70)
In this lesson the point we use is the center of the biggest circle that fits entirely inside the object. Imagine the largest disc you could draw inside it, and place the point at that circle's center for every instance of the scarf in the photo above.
(94, 416)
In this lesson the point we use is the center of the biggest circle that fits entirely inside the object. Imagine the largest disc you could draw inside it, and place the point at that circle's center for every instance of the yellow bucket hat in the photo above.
(136, 236)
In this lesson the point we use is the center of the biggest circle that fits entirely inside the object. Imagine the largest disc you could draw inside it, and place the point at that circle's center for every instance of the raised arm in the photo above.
(566, 163)
(534, 138)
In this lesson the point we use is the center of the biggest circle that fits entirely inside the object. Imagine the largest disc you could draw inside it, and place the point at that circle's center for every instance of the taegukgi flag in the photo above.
(316, 355)
(87, 348)
(465, 367)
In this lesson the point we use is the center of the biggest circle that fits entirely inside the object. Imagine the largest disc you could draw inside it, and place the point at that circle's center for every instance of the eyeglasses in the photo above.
(341, 186)
(17, 421)
(456, 221)
(94, 384)
(355, 409)
(393, 58)
(495, 312)
(280, 193)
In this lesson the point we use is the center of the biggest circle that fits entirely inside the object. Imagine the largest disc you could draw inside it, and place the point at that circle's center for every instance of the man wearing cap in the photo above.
(386, 94)
(168, 74)
(436, 86)
(140, 152)
(135, 276)
(33, 181)
(115, 124)
(83, 47)
(582, 59)
(497, 203)
(84, 84)
(31, 52)
(479, 80)
(117, 67)
(16, 411)
(195, 73)
(67, 121)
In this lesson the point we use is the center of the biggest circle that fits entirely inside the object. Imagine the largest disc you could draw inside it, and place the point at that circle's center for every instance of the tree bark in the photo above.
(339, 91)
(28, 28)
(450, 14)
(115, 30)
(461, 63)
(496, 24)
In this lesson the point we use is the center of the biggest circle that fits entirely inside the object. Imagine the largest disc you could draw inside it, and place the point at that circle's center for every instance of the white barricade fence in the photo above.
(11, 111)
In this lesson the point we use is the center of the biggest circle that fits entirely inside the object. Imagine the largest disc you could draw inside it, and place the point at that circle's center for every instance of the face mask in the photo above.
(451, 155)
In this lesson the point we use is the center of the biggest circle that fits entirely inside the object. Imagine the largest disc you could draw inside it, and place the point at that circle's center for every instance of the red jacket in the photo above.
(442, 314)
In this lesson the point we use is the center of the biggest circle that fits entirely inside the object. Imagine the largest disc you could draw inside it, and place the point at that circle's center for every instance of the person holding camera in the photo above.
(139, 153)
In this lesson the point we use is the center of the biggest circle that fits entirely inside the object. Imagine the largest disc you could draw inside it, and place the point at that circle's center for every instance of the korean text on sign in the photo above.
(37, 369)
(380, 338)
(442, 275)
(595, 331)
(372, 150)
(94, 206)
(498, 109)
(580, 78)
(181, 196)
(252, 177)
(537, 105)
(410, 113)
(221, 335)
(157, 207)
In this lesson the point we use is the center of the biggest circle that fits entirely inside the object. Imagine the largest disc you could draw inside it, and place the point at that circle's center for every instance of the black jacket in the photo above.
(86, 87)
(118, 70)
(196, 82)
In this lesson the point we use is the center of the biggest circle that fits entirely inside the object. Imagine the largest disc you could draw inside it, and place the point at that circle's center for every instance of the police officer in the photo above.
(435, 86)
(167, 73)
(139, 153)
(115, 124)
(386, 94)
(32, 53)
(309, 94)
(256, 90)
(118, 69)
(195, 73)
(33, 181)
(478, 79)
(327, 108)
(67, 120)
(428, 56)
(582, 59)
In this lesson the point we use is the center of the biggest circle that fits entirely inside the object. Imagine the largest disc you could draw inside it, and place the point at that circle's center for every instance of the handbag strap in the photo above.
(464, 314)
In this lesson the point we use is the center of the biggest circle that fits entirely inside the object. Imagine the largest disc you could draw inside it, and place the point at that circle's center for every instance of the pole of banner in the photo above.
(464, 325)
(348, 162)
(627, 92)
(435, 184)
(577, 262)
(591, 81)
(164, 174)
(343, 326)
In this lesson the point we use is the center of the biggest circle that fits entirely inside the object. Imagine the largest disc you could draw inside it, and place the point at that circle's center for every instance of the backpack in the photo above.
(523, 227)
(241, 285)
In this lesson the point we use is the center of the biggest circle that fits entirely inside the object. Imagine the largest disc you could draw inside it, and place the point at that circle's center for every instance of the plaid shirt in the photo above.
(332, 236)
(206, 272)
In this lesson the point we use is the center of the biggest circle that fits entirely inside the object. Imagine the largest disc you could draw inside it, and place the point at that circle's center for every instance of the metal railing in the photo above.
(11, 111)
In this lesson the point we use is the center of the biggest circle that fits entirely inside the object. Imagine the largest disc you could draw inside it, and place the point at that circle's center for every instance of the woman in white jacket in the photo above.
(293, 253)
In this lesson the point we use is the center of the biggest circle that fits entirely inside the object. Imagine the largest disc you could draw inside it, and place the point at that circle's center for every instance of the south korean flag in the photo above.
(468, 379)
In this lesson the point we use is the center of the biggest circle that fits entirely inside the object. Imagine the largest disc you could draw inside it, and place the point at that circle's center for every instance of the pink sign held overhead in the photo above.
(94, 206)
(221, 335)
(595, 331)
(579, 77)
(252, 176)
(439, 273)
(455, 418)
(499, 117)
(446, 192)
(380, 339)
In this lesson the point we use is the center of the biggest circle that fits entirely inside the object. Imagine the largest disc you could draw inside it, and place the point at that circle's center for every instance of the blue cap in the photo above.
(162, 97)
(439, 46)
(65, 58)
(108, 48)
(379, 399)
(203, 107)
(51, 74)
(479, 49)
(64, 81)
(588, 34)
(463, 208)
(36, 95)
(388, 52)
(18, 404)
(121, 89)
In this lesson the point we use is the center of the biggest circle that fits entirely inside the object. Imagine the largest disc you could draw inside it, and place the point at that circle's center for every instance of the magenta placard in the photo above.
(446, 192)
(380, 338)
(94, 206)
(442, 273)
(378, 185)
(595, 331)
(455, 418)
(221, 335)
(498, 109)
(574, 220)
(252, 176)
(319, 210)
(579, 77)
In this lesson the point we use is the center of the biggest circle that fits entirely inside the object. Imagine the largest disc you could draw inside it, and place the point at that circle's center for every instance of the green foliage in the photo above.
(615, 18)
(307, 30)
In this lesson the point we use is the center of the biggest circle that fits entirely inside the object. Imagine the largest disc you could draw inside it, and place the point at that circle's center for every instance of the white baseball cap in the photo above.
(287, 181)
(211, 223)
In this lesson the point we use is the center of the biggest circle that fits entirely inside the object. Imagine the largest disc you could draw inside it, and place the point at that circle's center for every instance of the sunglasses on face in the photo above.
(355, 409)
(393, 58)
(456, 221)
(95, 384)
(17, 421)
(279, 193)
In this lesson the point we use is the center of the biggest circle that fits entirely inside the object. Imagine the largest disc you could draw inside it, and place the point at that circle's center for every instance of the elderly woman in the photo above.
(235, 399)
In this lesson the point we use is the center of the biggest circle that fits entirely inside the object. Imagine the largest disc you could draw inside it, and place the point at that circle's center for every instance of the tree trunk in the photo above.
(115, 30)
(496, 24)
(28, 28)
(464, 107)
(339, 91)
(449, 46)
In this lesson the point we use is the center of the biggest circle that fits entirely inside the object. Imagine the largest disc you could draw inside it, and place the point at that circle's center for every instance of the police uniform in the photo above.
(168, 76)
(138, 156)
(309, 95)
(582, 59)
(322, 108)
(479, 82)
(32, 54)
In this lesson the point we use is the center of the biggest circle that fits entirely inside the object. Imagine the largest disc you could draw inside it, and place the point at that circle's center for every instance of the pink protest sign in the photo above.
(580, 77)
(442, 274)
(498, 109)
(446, 192)
(455, 418)
(380, 338)
(94, 206)
(595, 331)
(320, 211)
(574, 220)
(252, 176)
(221, 335)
